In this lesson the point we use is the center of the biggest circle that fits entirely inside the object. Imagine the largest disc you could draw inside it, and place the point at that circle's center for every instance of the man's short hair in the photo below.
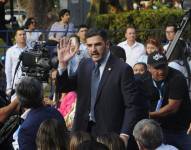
(82, 26)
(172, 25)
(19, 29)
(130, 27)
(97, 32)
(30, 92)
(118, 52)
(148, 133)
(62, 12)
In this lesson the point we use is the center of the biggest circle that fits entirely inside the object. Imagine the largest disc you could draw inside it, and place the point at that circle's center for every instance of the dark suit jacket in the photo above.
(28, 130)
(119, 104)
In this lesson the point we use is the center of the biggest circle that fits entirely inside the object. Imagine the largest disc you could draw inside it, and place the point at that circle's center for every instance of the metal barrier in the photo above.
(9, 34)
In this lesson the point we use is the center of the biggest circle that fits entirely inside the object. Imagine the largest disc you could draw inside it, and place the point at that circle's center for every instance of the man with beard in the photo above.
(108, 98)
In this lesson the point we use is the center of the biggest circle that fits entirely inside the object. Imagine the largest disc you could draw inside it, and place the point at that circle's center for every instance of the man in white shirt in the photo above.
(12, 58)
(133, 49)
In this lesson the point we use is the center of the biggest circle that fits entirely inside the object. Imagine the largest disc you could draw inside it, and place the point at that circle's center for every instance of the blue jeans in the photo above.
(178, 139)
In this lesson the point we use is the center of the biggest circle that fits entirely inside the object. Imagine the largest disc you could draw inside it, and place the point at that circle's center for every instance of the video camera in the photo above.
(36, 62)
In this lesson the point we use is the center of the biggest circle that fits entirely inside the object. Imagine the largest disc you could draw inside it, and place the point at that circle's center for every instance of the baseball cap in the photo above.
(157, 59)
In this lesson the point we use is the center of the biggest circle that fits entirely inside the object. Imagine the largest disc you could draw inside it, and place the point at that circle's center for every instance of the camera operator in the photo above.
(12, 59)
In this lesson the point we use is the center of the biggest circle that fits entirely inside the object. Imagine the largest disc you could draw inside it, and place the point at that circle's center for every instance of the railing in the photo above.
(9, 34)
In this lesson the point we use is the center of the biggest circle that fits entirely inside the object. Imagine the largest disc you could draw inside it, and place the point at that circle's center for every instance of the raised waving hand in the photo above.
(66, 49)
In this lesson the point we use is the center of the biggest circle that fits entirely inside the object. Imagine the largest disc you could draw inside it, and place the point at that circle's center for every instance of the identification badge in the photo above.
(159, 104)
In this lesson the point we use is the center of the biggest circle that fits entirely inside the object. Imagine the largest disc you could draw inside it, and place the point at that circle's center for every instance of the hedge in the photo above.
(148, 22)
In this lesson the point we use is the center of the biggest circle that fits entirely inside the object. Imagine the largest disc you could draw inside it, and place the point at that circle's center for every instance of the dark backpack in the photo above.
(11, 123)
(9, 127)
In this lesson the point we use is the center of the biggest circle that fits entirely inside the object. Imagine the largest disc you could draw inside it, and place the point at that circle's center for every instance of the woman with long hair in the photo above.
(52, 135)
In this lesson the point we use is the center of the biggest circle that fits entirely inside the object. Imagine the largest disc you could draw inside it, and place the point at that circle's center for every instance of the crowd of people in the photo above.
(125, 96)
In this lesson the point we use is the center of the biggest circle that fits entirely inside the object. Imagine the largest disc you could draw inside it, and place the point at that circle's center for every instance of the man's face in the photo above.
(81, 33)
(130, 34)
(66, 17)
(97, 47)
(170, 33)
(158, 74)
(20, 37)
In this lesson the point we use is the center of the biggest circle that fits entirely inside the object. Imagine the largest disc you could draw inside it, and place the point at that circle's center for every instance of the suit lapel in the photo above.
(107, 71)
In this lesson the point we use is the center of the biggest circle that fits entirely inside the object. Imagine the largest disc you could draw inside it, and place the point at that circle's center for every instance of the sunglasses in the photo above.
(33, 22)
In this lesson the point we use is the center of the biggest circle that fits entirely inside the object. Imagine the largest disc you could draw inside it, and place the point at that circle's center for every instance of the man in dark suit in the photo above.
(117, 105)
(30, 94)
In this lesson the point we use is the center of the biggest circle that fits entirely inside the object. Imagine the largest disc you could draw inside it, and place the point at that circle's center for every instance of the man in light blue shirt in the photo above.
(82, 53)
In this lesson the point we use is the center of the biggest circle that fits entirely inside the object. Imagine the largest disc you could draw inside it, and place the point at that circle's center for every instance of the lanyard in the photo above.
(159, 89)
(160, 101)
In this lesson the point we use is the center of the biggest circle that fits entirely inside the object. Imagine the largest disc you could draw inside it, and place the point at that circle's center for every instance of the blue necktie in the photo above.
(94, 88)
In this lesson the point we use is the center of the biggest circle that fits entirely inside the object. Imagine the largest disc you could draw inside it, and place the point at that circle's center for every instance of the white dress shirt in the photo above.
(133, 53)
(12, 58)
(32, 37)
(143, 59)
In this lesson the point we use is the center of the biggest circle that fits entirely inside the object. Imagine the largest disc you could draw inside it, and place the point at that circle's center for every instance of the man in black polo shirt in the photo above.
(170, 104)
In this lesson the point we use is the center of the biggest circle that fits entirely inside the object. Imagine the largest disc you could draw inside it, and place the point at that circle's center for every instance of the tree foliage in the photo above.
(148, 22)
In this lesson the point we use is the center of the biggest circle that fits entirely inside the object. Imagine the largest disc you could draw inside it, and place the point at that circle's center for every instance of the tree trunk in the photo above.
(38, 9)
(41, 10)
